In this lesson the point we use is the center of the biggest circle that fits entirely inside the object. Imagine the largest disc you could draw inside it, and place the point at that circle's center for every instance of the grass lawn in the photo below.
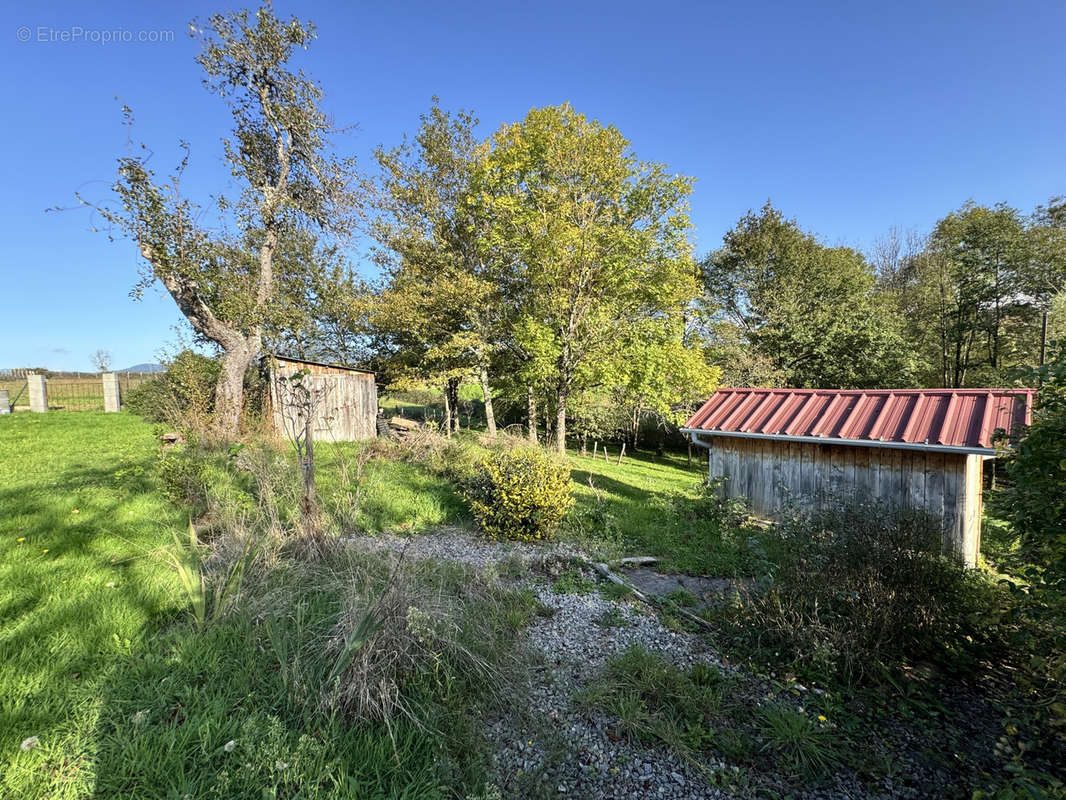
(654, 509)
(99, 662)
(398, 497)
(81, 586)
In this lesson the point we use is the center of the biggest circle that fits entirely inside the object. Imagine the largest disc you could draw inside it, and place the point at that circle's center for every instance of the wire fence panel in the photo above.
(70, 391)
(131, 380)
(85, 394)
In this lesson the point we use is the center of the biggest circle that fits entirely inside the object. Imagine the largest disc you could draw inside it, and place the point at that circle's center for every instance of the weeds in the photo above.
(573, 582)
(654, 701)
(611, 618)
(858, 592)
(208, 594)
(616, 591)
(797, 743)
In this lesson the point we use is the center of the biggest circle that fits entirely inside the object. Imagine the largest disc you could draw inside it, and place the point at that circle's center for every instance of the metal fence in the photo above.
(75, 394)
(70, 391)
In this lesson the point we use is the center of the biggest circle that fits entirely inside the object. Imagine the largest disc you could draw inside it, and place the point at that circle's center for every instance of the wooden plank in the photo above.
(865, 477)
(891, 477)
(748, 458)
(795, 457)
(838, 459)
(970, 510)
(714, 462)
(913, 468)
(806, 478)
(934, 485)
(755, 463)
(769, 462)
(779, 476)
(850, 485)
(725, 453)
(954, 492)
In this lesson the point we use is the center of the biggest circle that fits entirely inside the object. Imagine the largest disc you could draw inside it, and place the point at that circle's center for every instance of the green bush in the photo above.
(519, 494)
(185, 390)
(859, 591)
(1036, 502)
(1034, 505)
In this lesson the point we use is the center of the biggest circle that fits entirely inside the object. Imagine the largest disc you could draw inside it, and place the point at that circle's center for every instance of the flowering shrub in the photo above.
(519, 494)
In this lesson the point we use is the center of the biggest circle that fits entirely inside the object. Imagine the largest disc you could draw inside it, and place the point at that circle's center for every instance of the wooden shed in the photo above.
(915, 448)
(343, 400)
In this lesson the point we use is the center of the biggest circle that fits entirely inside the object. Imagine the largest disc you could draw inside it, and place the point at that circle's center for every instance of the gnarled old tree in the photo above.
(225, 272)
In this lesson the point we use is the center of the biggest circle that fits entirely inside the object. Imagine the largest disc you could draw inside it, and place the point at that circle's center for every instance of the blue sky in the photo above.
(852, 117)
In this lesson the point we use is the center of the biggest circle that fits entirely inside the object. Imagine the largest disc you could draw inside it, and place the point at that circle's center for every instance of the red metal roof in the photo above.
(955, 418)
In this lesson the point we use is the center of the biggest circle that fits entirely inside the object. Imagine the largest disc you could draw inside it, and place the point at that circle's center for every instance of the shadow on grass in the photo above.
(100, 662)
(81, 588)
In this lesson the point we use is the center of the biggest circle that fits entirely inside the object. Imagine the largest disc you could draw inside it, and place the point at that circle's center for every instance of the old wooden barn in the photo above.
(343, 400)
(922, 449)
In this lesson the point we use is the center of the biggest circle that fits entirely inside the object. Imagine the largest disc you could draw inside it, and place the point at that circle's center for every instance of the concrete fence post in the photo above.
(112, 396)
(35, 383)
(5, 402)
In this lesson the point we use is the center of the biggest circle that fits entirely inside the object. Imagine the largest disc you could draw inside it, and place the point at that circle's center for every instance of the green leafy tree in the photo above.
(225, 278)
(1036, 501)
(812, 311)
(440, 312)
(323, 313)
(661, 378)
(1044, 277)
(978, 257)
(588, 241)
(980, 295)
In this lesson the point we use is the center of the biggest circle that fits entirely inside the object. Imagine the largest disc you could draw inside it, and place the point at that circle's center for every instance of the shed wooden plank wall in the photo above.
(776, 475)
(346, 411)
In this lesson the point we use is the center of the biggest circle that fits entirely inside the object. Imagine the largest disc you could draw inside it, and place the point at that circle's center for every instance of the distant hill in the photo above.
(144, 368)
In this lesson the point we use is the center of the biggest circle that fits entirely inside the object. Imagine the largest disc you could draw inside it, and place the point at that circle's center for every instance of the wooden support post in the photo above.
(622, 453)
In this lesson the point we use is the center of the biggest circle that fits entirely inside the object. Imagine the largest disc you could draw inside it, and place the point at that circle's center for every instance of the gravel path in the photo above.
(559, 749)
(578, 752)
(455, 544)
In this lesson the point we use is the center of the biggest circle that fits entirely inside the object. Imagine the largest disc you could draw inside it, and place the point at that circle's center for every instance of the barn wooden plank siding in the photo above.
(776, 475)
(907, 449)
(346, 403)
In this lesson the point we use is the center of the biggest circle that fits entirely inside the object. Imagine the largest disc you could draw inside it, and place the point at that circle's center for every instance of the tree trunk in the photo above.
(307, 468)
(229, 390)
(584, 444)
(447, 412)
(560, 424)
(490, 417)
(453, 387)
(532, 400)
(1043, 338)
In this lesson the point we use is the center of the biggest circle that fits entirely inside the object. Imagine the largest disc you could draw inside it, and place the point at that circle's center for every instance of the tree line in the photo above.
(551, 266)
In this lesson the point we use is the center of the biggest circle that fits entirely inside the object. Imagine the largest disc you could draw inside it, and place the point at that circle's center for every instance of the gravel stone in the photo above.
(558, 748)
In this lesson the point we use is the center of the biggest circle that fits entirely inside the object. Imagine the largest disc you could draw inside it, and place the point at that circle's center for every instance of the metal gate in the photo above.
(16, 393)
